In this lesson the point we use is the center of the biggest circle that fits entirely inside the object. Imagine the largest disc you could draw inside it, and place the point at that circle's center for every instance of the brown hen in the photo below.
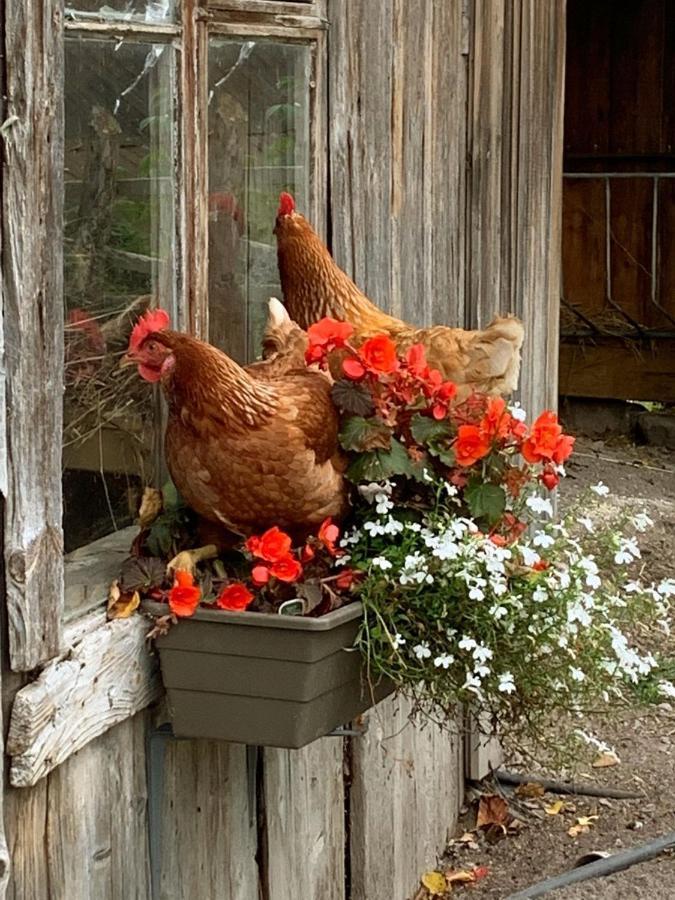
(314, 287)
(245, 452)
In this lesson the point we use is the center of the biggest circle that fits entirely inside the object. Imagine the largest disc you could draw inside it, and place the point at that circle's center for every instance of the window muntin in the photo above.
(258, 145)
(119, 255)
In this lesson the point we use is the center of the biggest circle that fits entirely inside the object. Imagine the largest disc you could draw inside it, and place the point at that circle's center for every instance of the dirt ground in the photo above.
(644, 739)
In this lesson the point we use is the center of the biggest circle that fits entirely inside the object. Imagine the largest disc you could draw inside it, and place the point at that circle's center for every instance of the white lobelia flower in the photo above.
(540, 505)
(506, 684)
(641, 521)
(467, 643)
(422, 650)
(476, 593)
(577, 674)
(482, 671)
(498, 612)
(482, 653)
(369, 492)
(381, 563)
(540, 594)
(623, 557)
(517, 412)
(472, 683)
(600, 489)
(667, 689)
(587, 522)
(451, 490)
(444, 661)
(667, 587)
(499, 587)
(530, 556)
(383, 504)
(397, 641)
(543, 540)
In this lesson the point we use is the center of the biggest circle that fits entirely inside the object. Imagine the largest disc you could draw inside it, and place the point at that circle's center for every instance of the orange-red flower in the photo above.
(345, 580)
(260, 575)
(286, 569)
(234, 596)
(353, 368)
(307, 554)
(550, 478)
(328, 535)
(497, 421)
(271, 546)
(470, 445)
(546, 441)
(326, 335)
(442, 397)
(185, 595)
(416, 360)
(378, 354)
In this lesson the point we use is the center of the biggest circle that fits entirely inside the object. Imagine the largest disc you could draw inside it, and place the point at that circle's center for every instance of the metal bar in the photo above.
(618, 174)
(608, 250)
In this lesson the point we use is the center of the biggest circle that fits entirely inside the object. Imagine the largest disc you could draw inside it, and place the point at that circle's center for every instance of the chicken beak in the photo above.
(127, 360)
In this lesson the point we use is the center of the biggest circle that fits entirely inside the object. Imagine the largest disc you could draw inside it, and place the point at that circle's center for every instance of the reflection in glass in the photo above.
(151, 12)
(118, 258)
(258, 146)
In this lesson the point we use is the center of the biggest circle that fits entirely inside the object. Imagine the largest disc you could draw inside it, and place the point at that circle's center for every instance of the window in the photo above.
(132, 229)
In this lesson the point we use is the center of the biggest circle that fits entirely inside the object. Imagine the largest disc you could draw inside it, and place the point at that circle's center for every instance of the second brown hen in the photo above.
(314, 286)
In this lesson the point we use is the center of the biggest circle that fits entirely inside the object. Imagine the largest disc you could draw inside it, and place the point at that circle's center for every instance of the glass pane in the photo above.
(258, 146)
(156, 12)
(119, 256)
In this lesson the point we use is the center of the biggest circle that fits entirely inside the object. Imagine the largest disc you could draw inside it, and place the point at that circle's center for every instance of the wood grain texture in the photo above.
(618, 369)
(305, 822)
(208, 830)
(397, 153)
(406, 789)
(33, 321)
(82, 832)
(106, 678)
(584, 245)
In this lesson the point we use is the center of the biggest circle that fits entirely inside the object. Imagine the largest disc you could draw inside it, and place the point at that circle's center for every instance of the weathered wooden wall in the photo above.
(444, 132)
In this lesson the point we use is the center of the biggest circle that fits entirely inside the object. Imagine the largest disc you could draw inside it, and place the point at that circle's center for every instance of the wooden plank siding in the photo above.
(33, 324)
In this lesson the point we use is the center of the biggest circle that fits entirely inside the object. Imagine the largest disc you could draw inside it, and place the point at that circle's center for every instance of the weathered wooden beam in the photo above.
(32, 274)
(105, 678)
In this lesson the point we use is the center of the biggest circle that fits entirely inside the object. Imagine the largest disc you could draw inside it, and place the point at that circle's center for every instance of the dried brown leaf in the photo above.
(122, 605)
(530, 790)
(492, 810)
(606, 759)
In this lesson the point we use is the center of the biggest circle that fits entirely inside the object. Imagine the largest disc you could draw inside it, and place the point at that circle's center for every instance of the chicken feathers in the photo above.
(314, 287)
(246, 452)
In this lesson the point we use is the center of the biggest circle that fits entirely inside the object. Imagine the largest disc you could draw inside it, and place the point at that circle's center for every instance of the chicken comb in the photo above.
(286, 204)
(151, 321)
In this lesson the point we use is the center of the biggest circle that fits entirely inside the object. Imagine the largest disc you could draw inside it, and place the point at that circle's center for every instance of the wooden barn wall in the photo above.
(444, 206)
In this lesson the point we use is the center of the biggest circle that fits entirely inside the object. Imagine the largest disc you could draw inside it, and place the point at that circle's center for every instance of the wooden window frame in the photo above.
(92, 673)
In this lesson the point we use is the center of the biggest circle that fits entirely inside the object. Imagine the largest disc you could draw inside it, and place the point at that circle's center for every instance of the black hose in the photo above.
(615, 863)
(566, 787)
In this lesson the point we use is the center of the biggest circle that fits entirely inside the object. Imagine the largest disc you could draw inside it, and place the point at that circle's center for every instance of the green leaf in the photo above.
(351, 397)
(378, 465)
(485, 501)
(171, 497)
(361, 434)
(426, 430)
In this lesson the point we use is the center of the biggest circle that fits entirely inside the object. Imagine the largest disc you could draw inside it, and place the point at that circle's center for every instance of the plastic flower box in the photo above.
(258, 678)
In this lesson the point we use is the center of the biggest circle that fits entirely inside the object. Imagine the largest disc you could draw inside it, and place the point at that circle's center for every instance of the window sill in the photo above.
(106, 675)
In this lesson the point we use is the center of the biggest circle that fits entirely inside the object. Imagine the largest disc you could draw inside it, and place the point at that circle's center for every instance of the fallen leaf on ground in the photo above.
(555, 808)
(466, 876)
(530, 790)
(121, 605)
(583, 825)
(435, 883)
(492, 810)
(606, 759)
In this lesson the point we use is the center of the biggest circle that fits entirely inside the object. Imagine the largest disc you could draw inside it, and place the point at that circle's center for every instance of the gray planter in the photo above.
(256, 678)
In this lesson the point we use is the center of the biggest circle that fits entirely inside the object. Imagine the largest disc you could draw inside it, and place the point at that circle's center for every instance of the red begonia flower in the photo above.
(470, 445)
(328, 534)
(185, 595)
(353, 368)
(234, 596)
(287, 569)
(378, 354)
(274, 544)
(260, 574)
